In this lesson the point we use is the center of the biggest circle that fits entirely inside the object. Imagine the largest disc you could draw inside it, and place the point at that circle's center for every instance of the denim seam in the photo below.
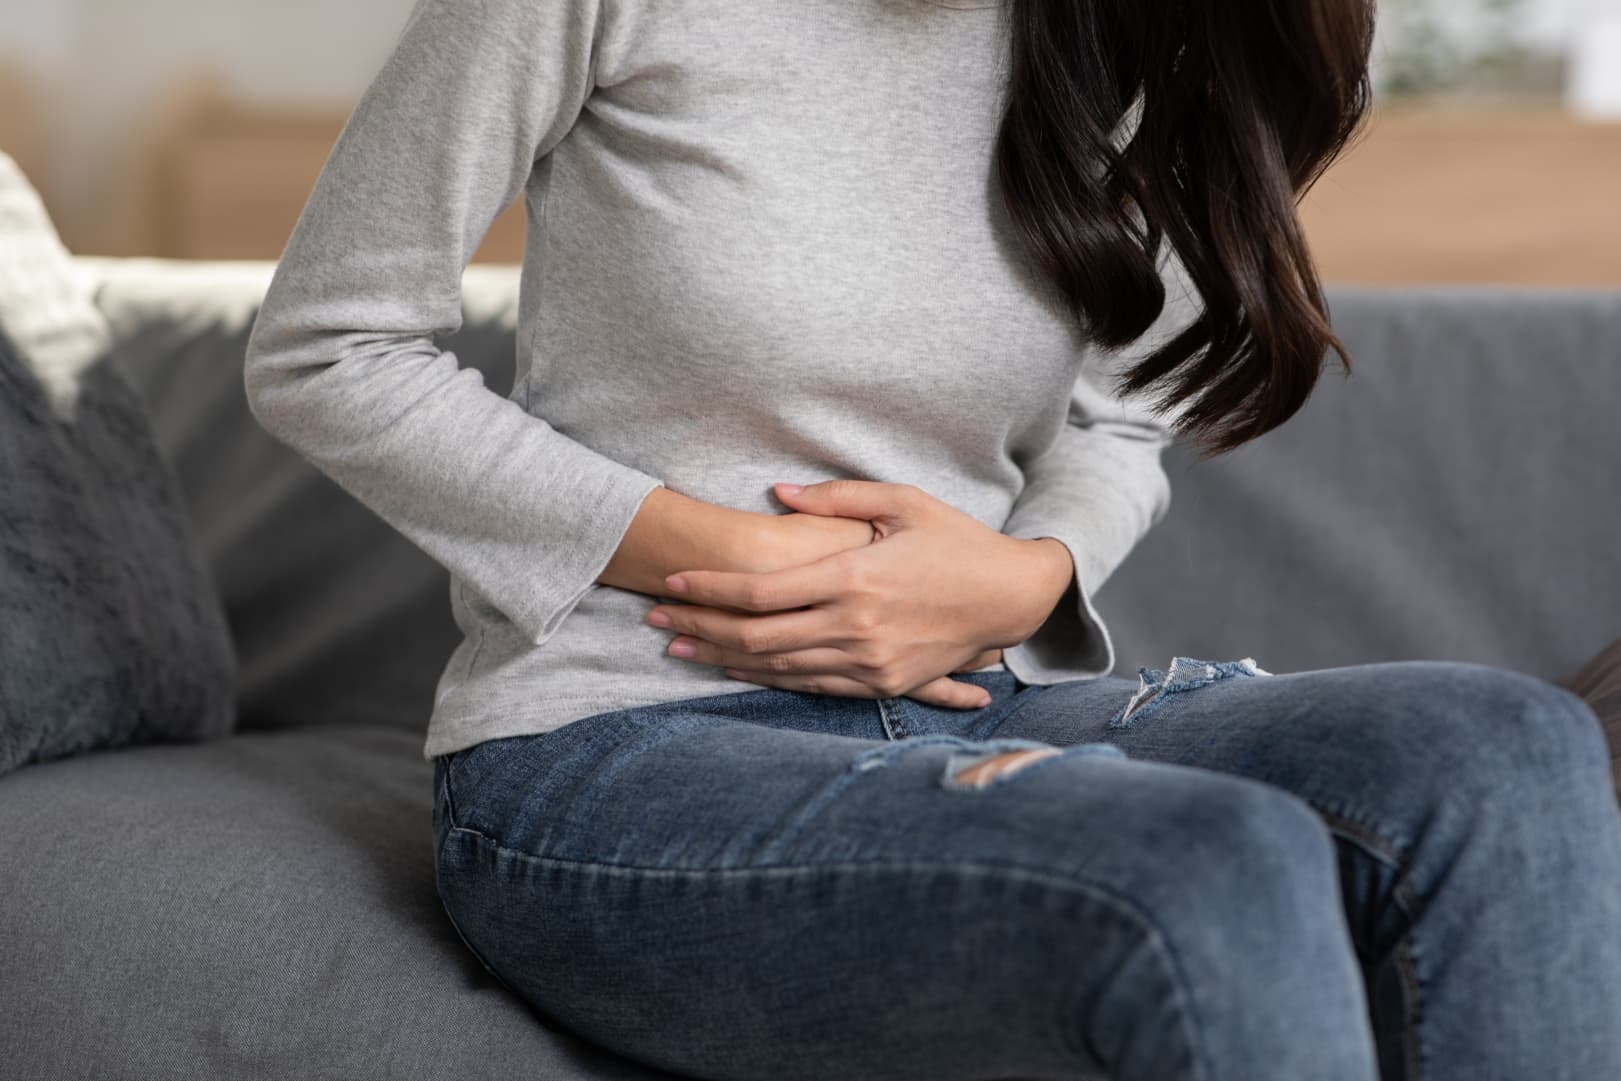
(1396, 855)
(451, 917)
(894, 723)
(1381, 848)
(1413, 1052)
(1093, 891)
(445, 790)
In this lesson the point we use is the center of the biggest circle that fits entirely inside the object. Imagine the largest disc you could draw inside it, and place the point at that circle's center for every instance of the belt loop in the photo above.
(890, 710)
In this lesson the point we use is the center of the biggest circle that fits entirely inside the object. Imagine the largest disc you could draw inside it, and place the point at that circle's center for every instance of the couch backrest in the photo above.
(337, 617)
(1451, 499)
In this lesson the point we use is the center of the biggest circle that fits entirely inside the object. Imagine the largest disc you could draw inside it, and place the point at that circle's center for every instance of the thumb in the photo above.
(864, 499)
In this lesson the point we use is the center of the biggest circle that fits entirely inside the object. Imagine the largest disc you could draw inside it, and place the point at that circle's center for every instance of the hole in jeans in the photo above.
(1185, 674)
(1001, 766)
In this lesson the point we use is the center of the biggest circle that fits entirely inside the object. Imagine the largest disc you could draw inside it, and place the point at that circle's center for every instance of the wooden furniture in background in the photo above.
(233, 184)
(20, 136)
(1520, 196)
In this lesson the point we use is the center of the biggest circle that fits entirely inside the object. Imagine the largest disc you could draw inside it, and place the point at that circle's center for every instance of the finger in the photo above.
(951, 694)
(989, 657)
(777, 632)
(852, 499)
(792, 587)
(798, 662)
(837, 686)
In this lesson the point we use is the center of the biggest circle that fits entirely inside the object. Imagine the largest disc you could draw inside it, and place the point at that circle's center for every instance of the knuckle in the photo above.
(863, 622)
(758, 596)
(780, 662)
(750, 640)
(890, 684)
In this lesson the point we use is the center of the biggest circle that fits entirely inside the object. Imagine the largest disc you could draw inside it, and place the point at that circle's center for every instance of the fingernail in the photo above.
(983, 702)
(679, 648)
(676, 583)
(660, 619)
(791, 489)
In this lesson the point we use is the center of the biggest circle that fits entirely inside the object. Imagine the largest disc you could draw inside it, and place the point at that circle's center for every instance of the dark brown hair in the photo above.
(1233, 110)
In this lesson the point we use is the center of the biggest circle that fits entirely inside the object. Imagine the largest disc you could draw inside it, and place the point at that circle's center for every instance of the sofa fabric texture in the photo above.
(111, 632)
(264, 906)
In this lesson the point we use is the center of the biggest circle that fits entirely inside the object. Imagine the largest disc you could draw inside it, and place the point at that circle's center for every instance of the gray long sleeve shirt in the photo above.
(766, 243)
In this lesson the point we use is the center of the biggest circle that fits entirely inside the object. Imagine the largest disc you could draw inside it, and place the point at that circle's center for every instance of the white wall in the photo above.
(104, 70)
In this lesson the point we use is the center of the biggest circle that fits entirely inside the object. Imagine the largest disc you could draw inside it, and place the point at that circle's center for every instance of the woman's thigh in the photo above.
(1468, 802)
(1372, 748)
(772, 885)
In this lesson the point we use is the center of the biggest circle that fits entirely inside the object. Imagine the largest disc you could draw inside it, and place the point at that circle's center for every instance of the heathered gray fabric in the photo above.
(766, 244)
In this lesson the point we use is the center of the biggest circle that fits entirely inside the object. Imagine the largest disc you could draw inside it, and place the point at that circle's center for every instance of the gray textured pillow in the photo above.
(110, 629)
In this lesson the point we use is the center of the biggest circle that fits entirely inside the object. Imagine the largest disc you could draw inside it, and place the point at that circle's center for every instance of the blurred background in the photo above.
(195, 129)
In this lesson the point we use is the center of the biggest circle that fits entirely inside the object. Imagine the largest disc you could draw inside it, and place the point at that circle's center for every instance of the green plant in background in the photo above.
(1435, 46)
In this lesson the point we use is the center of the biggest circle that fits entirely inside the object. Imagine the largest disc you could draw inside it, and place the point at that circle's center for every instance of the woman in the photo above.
(749, 781)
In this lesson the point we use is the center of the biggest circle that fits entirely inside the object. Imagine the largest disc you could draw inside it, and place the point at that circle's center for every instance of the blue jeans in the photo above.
(1409, 871)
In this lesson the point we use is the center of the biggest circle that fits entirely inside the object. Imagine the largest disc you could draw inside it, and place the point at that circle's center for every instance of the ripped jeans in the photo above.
(1403, 871)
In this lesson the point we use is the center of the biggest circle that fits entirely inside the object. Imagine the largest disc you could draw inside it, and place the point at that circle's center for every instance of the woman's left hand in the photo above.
(935, 590)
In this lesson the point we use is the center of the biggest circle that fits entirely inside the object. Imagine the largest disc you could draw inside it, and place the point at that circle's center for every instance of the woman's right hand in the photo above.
(794, 539)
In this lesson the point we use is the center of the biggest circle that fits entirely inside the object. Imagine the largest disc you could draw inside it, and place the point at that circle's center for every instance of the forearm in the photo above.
(672, 532)
(1052, 574)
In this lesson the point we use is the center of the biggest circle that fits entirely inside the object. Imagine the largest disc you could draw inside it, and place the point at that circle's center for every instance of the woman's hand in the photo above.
(935, 592)
(780, 541)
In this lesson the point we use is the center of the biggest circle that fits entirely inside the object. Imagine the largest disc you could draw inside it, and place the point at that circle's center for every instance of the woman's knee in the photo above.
(1237, 886)
(1403, 748)
(1223, 859)
(1492, 724)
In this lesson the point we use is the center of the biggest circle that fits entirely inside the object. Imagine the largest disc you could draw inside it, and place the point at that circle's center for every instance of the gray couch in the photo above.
(263, 906)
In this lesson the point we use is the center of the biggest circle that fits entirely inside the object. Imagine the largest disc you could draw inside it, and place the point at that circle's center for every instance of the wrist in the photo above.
(772, 542)
(1052, 574)
(748, 544)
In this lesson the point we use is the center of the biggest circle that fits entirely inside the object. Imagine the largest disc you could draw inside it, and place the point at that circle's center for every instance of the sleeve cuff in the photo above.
(1073, 643)
(577, 576)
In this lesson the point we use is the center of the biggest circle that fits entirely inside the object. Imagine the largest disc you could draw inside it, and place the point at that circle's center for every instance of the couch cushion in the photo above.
(338, 618)
(110, 628)
(1452, 499)
(258, 907)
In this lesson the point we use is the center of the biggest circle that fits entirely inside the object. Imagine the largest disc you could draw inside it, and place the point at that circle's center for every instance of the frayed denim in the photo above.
(1401, 871)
